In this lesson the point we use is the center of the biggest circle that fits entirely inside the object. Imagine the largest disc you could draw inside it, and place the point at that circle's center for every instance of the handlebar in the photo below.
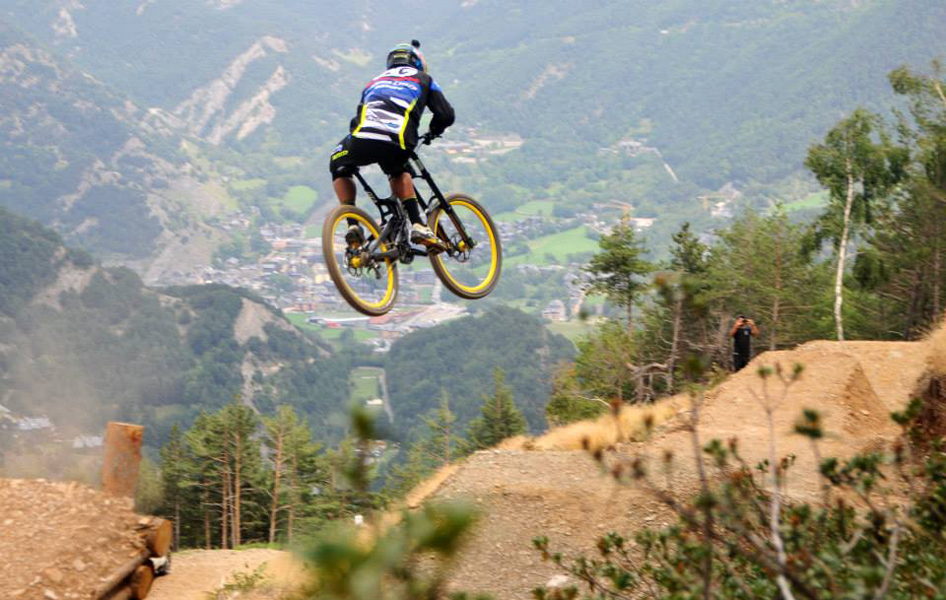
(427, 138)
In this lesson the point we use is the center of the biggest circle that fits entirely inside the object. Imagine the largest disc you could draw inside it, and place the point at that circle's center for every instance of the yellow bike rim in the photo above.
(494, 250)
(390, 275)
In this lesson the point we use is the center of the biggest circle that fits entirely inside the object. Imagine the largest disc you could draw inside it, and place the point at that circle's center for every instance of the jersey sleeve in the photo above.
(353, 124)
(356, 120)
(443, 115)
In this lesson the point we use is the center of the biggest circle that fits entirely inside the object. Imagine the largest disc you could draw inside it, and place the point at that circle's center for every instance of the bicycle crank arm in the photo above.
(392, 254)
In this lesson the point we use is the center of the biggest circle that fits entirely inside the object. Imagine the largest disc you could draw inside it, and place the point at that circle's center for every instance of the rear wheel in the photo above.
(468, 270)
(368, 285)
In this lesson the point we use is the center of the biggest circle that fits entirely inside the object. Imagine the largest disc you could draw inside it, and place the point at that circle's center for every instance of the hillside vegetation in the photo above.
(82, 344)
(74, 154)
(459, 358)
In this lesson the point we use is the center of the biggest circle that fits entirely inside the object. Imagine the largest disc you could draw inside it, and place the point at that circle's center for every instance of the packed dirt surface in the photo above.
(58, 540)
(565, 495)
(195, 573)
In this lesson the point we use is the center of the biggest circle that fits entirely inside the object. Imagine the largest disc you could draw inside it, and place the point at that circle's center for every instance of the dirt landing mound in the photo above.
(563, 494)
(57, 540)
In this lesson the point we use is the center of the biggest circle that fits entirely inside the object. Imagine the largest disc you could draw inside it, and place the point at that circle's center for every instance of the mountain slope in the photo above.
(212, 111)
(711, 91)
(74, 155)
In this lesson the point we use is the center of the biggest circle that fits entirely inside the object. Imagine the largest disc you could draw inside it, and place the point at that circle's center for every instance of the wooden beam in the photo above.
(122, 457)
(159, 536)
(141, 581)
(108, 587)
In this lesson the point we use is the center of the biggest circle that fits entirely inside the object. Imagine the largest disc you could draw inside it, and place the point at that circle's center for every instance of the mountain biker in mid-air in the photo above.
(384, 131)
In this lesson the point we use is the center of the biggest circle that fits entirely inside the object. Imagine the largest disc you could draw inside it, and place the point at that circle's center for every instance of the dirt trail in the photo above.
(194, 573)
(563, 494)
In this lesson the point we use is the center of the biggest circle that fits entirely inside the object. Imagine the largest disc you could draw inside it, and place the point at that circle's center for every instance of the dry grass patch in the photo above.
(631, 423)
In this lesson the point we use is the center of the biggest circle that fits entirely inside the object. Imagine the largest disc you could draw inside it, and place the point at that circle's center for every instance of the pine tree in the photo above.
(306, 470)
(438, 445)
(207, 440)
(617, 271)
(289, 442)
(688, 253)
(568, 402)
(176, 474)
(681, 293)
(760, 268)
(442, 441)
(603, 360)
(499, 419)
(228, 463)
(910, 276)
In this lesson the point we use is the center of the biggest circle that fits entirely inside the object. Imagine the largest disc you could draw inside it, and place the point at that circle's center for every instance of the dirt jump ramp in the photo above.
(565, 495)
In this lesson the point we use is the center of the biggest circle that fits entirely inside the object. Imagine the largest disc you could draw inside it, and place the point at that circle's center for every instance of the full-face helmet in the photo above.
(407, 55)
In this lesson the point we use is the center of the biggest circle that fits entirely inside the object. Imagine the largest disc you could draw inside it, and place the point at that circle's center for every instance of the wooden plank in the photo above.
(120, 593)
(122, 458)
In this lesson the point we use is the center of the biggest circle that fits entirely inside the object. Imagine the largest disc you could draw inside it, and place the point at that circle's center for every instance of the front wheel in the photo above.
(471, 267)
(368, 284)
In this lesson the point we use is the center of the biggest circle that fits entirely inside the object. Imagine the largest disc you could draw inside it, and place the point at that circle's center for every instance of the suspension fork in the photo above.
(441, 201)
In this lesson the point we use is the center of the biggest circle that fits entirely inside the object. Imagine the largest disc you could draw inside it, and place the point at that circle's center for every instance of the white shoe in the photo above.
(421, 234)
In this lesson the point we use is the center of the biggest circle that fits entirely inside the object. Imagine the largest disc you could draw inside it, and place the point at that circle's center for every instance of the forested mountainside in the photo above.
(81, 344)
(74, 155)
(459, 358)
(574, 104)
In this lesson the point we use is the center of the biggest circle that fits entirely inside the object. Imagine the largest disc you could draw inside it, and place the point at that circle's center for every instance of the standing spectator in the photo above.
(742, 331)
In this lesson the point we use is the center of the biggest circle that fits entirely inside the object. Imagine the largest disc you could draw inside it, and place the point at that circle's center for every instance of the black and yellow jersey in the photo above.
(392, 104)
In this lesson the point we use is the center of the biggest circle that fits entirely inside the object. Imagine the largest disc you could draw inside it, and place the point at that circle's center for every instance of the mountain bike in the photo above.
(467, 258)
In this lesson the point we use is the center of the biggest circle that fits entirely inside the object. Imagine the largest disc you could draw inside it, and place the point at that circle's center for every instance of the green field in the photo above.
(529, 209)
(559, 245)
(242, 185)
(815, 200)
(331, 334)
(573, 330)
(287, 162)
(363, 383)
(299, 199)
(170, 412)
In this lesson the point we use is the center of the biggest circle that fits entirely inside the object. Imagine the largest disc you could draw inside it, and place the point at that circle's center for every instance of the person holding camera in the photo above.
(741, 333)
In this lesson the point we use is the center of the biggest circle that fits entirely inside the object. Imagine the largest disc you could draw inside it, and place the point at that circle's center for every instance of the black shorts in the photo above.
(739, 360)
(353, 152)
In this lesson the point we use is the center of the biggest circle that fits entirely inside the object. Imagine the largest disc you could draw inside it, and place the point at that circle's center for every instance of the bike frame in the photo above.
(394, 219)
